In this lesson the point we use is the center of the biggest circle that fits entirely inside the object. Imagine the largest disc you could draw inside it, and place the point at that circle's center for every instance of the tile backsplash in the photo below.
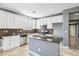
(8, 32)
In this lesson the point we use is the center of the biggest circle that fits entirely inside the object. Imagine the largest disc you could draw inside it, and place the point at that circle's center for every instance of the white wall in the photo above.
(11, 20)
(58, 29)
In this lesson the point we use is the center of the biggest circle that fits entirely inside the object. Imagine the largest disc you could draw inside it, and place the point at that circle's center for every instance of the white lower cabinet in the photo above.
(5, 43)
(10, 42)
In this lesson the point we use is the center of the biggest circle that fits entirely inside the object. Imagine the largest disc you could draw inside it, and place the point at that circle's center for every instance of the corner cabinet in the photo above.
(28, 23)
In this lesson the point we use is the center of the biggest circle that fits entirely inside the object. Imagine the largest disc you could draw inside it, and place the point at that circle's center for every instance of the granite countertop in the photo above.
(54, 39)
(1, 37)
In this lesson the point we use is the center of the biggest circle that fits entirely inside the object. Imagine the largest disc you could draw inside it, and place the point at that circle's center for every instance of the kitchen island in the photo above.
(42, 47)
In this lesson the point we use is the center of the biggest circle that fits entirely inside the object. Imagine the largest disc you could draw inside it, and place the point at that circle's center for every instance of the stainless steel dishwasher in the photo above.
(23, 39)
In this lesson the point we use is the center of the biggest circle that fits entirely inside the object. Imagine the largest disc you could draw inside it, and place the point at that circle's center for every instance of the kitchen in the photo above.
(38, 30)
(15, 26)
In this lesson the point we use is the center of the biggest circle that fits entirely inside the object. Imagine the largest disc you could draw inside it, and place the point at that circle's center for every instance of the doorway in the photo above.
(73, 36)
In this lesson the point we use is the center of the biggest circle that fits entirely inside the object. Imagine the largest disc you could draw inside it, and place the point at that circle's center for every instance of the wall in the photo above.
(66, 24)
(58, 29)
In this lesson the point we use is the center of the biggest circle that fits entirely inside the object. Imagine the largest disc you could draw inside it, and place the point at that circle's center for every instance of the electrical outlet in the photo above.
(38, 49)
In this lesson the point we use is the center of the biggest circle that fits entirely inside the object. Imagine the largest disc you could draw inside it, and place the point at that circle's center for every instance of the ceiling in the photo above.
(37, 10)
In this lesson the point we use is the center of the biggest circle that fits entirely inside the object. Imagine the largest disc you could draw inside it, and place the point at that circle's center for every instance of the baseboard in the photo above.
(33, 53)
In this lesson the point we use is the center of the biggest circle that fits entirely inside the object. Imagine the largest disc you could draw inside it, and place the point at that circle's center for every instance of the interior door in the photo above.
(73, 36)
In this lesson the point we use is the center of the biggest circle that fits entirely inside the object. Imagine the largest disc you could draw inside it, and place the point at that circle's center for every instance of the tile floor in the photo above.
(19, 51)
(68, 52)
(23, 51)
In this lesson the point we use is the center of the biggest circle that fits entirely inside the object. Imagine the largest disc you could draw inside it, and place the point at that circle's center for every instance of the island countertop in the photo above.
(52, 38)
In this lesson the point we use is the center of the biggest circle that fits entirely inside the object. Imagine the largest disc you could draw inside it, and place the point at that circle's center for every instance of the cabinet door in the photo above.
(45, 21)
(17, 40)
(49, 23)
(38, 24)
(25, 24)
(3, 19)
(21, 22)
(16, 23)
(6, 43)
(30, 24)
(35, 24)
(10, 20)
(41, 22)
(14, 41)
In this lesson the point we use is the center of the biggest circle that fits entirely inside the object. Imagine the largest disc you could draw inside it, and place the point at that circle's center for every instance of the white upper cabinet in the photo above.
(59, 19)
(10, 20)
(38, 24)
(25, 25)
(50, 20)
(49, 23)
(41, 22)
(34, 24)
(28, 23)
(19, 20)
(45, 21)
(16, 21)
(54, 19)
(3, 19)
